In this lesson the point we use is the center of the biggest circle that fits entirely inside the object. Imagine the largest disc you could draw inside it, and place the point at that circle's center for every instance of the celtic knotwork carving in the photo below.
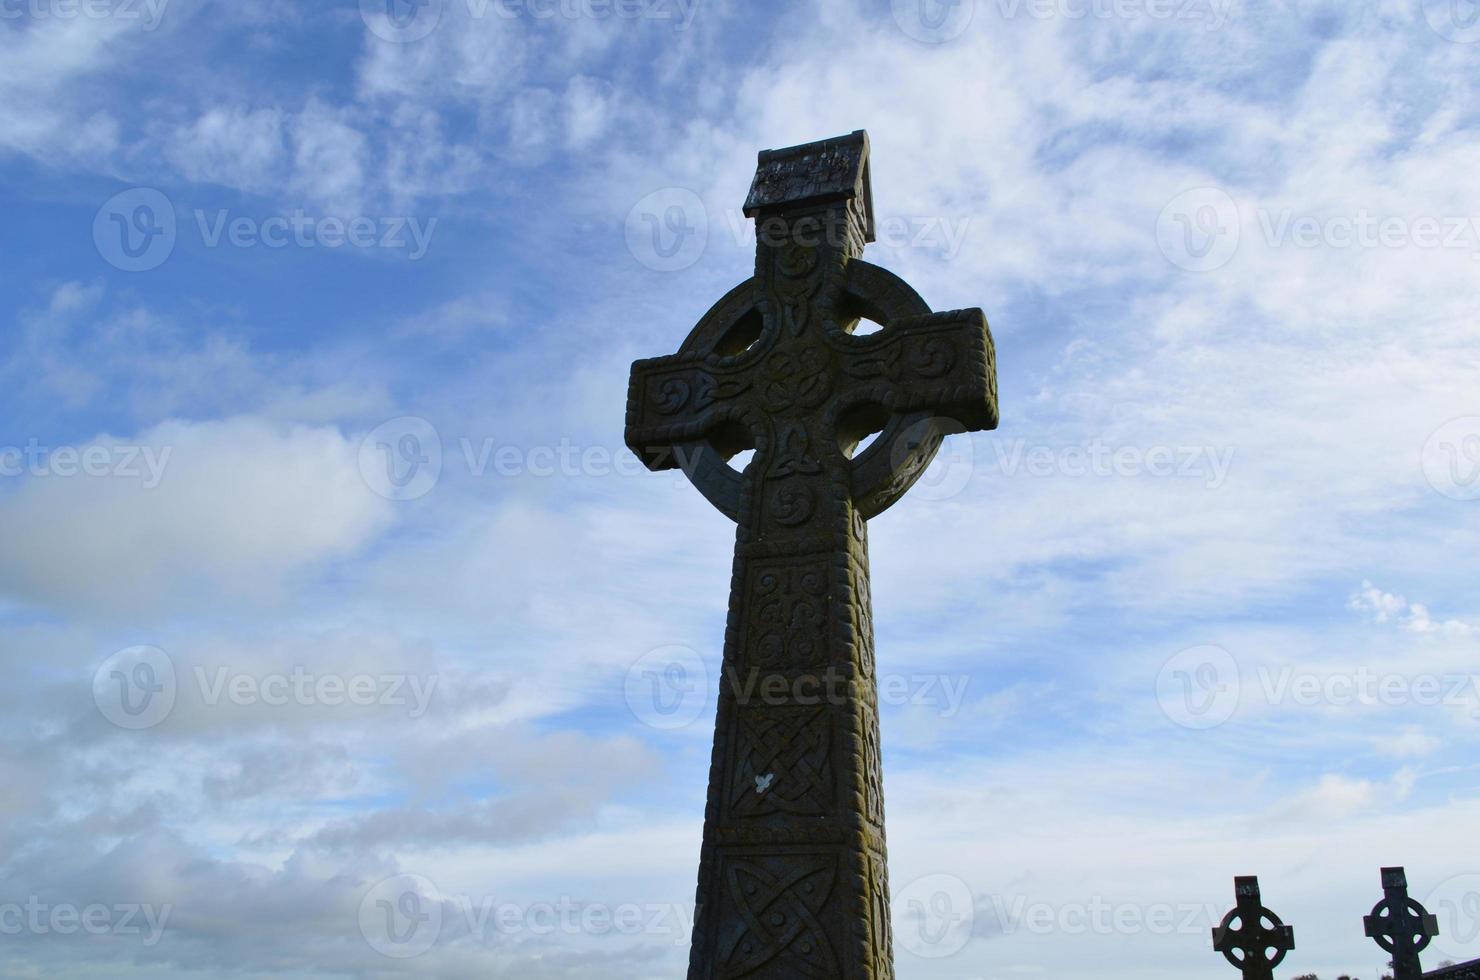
(797, 379)
(671, 394)
(783, 762)
(696, 391)
(709, 390)
(863, 625)
(793, 503)
(780, 902)
(790, 617)
(881, 937)
(798, 278)
(933, 358)
(793, 453)
(873, 788)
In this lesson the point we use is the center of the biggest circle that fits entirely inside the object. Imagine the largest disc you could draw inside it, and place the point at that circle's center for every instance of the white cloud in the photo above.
(43, 67)
(1385, 607)
(329, 158)
(188, 511)
(232, 145)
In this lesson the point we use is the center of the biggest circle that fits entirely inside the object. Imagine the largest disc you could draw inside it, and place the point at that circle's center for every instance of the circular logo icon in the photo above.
(933, 21)
(402, 459)
(1456, 904)
(135, 688)
(933, 916)
(1199, 687)
(1199, 230)
(135, 231)
(1454, 20)
(1451, 458)
(668, 230)
(401, 21)
(401, 917)
(668, 687)
(953, 466)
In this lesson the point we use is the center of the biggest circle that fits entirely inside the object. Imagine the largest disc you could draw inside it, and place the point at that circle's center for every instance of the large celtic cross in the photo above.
(792, 875)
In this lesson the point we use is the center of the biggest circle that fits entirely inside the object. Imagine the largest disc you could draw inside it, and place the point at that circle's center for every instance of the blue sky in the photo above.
(1202, 606)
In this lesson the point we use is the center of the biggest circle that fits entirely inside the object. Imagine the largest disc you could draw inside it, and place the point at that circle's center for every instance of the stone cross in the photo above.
(792, 874)
(1401, 925)
(1261, 941)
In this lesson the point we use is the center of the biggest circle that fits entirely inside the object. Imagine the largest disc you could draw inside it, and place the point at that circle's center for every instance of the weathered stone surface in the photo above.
(792, 874)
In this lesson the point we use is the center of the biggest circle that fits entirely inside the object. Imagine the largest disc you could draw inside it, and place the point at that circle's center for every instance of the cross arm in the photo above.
(944, 363)
(680, 399)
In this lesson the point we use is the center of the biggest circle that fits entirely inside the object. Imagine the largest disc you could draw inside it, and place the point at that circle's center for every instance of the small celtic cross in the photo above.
(1400, 925)
(1260, 941)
